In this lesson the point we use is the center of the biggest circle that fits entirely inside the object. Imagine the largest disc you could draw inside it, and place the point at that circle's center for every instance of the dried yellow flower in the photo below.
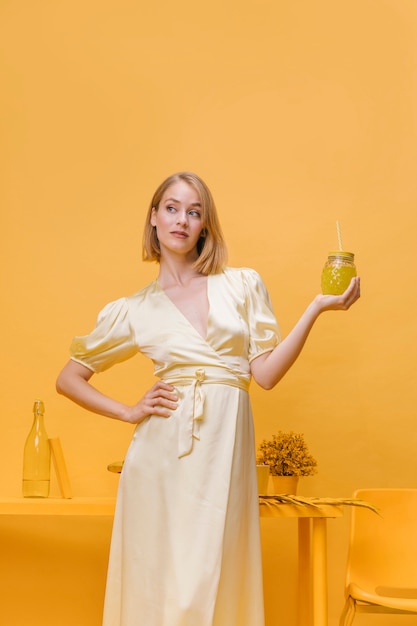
(287, 454)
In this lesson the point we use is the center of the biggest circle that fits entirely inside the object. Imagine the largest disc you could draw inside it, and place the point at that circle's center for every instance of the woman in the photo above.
(185, 547)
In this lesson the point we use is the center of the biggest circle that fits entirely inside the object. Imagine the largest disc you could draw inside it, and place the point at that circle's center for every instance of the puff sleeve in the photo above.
(112, 340)
(264, 332)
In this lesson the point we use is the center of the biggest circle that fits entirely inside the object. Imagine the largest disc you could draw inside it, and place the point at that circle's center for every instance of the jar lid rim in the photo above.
(342, 253)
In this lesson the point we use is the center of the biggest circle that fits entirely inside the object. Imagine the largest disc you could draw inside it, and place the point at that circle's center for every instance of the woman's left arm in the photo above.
(268, 369)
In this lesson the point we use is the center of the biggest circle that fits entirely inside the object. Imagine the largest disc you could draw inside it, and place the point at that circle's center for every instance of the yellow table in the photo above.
(312, 540)
(312, 554)
(57, 506)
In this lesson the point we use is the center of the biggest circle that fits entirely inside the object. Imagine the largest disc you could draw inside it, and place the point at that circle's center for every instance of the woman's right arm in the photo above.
(74, 383)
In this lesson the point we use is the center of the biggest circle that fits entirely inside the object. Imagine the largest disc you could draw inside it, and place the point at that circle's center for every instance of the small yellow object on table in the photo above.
(115, 467)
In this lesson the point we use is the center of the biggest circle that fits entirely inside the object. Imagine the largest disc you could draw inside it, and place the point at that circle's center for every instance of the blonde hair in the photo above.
(211, 247)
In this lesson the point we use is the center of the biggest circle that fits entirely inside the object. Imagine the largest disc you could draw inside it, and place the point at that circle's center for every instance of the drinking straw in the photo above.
(339, 235)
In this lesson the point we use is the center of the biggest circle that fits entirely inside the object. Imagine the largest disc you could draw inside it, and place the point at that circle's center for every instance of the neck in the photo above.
(176, 272)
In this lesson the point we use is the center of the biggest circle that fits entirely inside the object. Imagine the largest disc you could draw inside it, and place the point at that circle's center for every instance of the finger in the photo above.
(166, 393)
(352, 296)
(356, 287)
(160, 385)
(161, 411)
(353, 289)
(164, 401)
(167, 404)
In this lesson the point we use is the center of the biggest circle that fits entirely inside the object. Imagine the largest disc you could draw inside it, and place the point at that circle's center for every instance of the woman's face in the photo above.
(178, 220)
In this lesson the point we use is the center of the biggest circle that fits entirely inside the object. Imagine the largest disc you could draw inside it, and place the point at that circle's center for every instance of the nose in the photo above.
(182, 218)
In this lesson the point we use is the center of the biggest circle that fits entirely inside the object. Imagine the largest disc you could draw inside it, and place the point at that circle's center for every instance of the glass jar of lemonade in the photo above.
(338, 272)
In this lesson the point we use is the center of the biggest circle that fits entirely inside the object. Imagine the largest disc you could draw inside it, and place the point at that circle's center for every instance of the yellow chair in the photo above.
(381, 574)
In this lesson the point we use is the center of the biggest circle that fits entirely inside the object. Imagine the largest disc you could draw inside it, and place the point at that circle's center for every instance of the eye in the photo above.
(170, 208)
(194, 213)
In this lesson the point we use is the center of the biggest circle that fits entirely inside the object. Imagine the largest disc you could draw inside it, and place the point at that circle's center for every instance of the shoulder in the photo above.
(121, 306)
(249, 281)
(142, 294)
(244, 275)
(240, 273)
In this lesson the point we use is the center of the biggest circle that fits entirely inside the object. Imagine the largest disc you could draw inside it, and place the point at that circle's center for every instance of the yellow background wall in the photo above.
(296, 113)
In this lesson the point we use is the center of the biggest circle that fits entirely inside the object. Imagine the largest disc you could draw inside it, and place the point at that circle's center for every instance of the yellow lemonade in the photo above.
(337, 273)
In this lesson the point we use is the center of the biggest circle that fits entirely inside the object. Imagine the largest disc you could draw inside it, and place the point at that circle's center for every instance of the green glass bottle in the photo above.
(37, 457)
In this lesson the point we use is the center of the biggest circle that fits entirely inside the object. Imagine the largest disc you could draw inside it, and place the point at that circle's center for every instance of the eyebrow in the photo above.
(178, 202)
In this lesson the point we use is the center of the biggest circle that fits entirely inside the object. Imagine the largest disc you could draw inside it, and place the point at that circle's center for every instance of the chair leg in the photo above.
(348, 612)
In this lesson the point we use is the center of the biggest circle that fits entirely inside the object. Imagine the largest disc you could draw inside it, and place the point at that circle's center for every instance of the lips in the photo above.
(180, 234)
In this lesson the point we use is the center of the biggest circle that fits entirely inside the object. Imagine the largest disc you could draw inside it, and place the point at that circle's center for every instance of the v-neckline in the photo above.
(204, 338)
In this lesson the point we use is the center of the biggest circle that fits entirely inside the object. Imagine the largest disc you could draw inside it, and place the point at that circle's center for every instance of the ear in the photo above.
(153, 216)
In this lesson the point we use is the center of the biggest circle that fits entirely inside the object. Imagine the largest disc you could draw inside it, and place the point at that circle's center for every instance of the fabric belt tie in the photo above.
(190, 411)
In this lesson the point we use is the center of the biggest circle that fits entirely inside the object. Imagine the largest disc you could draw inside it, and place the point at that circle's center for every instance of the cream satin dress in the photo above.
(185, 547)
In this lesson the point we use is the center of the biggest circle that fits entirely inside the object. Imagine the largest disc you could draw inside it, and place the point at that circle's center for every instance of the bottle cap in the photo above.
(38, 407)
